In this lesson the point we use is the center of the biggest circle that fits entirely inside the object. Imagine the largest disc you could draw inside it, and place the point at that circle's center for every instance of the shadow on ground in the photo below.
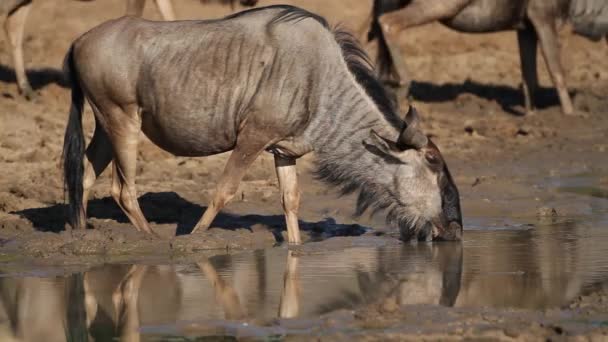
(507, 97)
(170, 208)
(38, 78)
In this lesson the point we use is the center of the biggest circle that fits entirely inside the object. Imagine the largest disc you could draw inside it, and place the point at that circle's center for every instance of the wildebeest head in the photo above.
(424, 200)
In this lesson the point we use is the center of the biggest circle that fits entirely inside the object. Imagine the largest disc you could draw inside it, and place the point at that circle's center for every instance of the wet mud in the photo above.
(533, 190)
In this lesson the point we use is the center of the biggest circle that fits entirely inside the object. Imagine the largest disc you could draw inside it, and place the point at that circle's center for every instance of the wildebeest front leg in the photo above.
(290, 195)
(547, 35)
(248, 148)
(166, 9)
(136, 7)
(14, 27)
(225, 294)
(527, 41)
(289, 306)
(416, 13)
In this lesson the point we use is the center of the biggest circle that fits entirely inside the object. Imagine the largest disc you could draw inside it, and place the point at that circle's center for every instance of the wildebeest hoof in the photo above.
(28, 93)
(199, 230)
(156, 236)
(576, 113)
(529, 112)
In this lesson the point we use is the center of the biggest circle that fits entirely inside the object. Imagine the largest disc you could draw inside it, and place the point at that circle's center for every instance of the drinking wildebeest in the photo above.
(16, 12)
(536, 21)
(275, 79)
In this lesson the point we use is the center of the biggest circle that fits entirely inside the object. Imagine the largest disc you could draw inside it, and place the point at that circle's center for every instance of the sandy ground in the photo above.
(466, 88)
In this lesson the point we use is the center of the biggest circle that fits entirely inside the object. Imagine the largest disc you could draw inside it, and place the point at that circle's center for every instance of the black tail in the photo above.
(383, 59)
(73, 144)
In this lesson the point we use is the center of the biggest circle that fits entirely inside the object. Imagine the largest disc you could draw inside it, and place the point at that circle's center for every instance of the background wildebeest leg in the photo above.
(98, 156)
(250, 143)
(546, 30)
(290, 195)
(124, 137)
(125, 299)
(14, 27)
(166, 9)
(224, 293)
(136, 8)
(418, 12)
(527, 41)
(289, 305)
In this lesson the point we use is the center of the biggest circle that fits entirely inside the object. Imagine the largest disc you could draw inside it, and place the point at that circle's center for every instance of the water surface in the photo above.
(539, 265)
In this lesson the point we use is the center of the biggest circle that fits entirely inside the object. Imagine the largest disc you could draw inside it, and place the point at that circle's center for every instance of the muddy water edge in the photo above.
(533, 265)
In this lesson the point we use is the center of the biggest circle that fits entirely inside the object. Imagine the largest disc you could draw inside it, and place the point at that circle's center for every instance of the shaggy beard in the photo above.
(410, 226)
(375, 198)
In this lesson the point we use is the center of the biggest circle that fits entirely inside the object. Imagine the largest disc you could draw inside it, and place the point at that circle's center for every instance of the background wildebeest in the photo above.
(254, 81)
(16, 12)
(536, 21)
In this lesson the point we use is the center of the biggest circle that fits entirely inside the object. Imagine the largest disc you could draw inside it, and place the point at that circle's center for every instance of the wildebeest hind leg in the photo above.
(124, 141)
(125, 299)
(547, 35)
(416, 13)
(98, 156)
(290, 195)
(527, 41)
(248, 147)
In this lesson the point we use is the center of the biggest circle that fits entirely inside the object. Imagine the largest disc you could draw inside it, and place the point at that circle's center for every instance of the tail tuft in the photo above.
(74, 145)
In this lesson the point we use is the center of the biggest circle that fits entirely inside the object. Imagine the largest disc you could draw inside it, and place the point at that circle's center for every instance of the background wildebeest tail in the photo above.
(232, 3)
(589, 18)
(384, 62)
(73, 144)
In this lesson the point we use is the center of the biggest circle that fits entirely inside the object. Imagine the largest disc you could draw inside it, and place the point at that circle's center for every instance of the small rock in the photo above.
(389, 305)
(546, 212)
(523, 130)
(477, 181)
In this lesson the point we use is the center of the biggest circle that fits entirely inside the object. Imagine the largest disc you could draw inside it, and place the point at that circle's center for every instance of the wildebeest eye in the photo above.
(432, 158)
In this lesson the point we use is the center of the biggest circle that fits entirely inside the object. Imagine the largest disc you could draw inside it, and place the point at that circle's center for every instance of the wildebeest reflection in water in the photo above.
(117, 300)
(536, 269)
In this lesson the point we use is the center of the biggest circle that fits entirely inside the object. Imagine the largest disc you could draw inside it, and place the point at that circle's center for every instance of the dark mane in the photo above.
(292, 14)
(360, 66)
(288, 14)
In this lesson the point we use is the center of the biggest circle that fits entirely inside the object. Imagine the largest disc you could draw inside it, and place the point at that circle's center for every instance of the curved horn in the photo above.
(410, 135)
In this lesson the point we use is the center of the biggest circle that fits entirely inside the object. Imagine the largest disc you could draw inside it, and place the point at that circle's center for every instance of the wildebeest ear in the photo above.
(381, 143)
(411, 117)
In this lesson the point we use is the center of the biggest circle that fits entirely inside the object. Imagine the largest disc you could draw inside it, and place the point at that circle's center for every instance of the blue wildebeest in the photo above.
(536, 21)
(16, 12)
(274, 78)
